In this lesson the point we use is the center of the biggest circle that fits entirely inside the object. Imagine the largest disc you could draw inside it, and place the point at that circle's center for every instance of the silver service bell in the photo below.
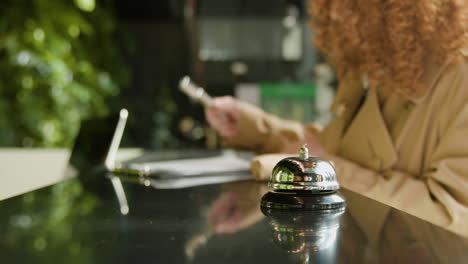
(304, 173)
(303, 182)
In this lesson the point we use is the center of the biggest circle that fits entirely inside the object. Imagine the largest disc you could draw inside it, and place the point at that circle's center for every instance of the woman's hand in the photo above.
(223, 115)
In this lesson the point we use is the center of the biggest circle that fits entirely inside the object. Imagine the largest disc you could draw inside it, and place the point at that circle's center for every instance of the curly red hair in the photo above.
(389, 39)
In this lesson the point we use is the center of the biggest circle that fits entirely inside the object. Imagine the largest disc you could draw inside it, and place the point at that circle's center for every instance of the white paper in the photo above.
(179, 183)
(227, 162)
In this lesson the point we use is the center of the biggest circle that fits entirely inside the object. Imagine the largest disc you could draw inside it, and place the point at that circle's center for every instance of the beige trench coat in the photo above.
(411, 154)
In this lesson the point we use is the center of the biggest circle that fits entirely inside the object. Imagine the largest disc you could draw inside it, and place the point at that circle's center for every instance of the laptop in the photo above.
(98, 143)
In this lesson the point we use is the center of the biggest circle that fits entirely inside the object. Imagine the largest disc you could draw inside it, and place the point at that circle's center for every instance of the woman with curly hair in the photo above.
(401, 111)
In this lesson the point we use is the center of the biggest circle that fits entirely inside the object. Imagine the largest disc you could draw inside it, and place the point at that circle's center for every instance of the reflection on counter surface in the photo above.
(310, 234)
(80, 221)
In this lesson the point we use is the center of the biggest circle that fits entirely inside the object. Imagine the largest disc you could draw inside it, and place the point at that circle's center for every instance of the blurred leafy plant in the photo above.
(47, 225)
(58, 64)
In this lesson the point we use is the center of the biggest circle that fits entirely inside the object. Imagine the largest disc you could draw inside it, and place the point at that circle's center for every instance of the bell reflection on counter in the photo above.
(303, 183)
(308, 232)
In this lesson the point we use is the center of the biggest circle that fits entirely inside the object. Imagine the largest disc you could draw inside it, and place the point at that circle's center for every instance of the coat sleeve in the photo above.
(265, 133)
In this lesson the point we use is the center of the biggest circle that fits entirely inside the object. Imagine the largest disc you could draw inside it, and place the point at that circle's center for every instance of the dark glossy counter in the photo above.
(80, 220)
(98, 217)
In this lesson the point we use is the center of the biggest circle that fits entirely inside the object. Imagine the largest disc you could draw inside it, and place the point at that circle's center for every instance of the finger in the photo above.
(227, 105)
(225, 100)
(215, 121)
(223, 123)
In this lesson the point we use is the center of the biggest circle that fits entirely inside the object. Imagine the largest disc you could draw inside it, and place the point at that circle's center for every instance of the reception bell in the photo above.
(303, 182)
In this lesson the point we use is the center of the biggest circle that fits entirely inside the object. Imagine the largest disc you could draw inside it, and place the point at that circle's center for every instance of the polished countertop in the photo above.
(83, 220)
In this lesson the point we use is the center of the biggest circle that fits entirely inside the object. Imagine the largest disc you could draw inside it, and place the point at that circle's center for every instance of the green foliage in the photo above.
(46, 226)
(58, 64)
